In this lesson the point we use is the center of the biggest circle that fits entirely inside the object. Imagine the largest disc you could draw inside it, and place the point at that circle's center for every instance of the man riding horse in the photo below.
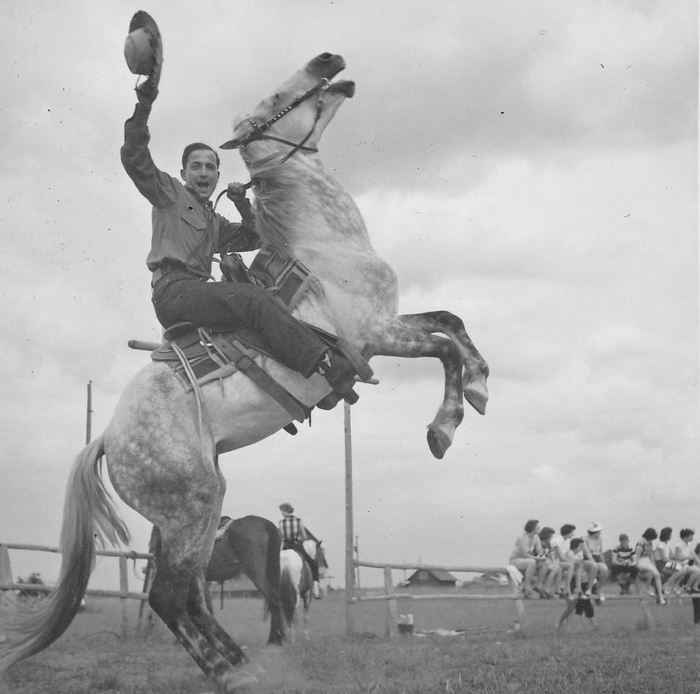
(186, 234)
(294, 535)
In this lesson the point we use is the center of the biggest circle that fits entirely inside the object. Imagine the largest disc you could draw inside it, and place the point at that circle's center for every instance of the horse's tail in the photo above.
(288, 593)
(88, 515)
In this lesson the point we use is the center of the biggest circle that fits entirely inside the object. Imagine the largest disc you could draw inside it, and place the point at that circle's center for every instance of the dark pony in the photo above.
(251, 545)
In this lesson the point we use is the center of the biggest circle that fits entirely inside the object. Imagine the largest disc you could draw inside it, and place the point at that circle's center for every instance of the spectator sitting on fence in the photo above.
(579, 554)
(594, 565)
(666, 563)
(644, 553)
(526, 553)
(693, 580)
(562, 552)
(624, 565)
(548, 571)
(683, 553)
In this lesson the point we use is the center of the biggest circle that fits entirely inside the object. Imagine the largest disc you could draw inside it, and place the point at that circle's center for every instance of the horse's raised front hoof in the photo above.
(477, 395)
(438, 441)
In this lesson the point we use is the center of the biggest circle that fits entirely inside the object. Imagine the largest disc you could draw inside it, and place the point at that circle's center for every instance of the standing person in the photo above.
(595, 565)
(644, 554)
(527, 551)
(293, 535)
(624, 564)
(187, 232)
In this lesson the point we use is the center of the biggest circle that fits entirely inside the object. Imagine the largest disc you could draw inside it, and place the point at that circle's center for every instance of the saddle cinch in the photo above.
(200, 355)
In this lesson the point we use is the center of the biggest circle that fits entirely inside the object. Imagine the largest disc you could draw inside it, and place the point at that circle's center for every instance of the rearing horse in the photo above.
(162, 444)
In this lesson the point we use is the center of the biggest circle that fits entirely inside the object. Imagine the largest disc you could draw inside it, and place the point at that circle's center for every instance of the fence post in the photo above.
(391, 611)
(124, 588)
(519, 626)
(5, 568)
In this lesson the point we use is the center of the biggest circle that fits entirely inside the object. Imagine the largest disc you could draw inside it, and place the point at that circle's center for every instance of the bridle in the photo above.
(258, 131)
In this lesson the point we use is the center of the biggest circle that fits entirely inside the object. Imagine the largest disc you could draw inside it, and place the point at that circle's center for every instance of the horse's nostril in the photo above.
(326, 57)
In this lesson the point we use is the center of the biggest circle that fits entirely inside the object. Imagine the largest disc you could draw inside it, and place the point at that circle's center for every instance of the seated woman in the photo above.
(527, 551)
(548, 570)
(561, 550)
(666, 563)
(644, 554)
(688, 561)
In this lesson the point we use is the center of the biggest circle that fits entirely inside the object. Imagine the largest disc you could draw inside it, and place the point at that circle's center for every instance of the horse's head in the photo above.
(295, 115)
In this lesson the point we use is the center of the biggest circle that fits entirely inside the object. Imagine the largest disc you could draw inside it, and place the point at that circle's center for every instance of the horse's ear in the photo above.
(231, 144)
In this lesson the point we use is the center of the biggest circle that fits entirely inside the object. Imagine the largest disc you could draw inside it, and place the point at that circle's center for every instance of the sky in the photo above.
(531, 167)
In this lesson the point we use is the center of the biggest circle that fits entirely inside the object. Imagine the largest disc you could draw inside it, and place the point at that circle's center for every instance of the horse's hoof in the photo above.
(477, 395)
(438, 442)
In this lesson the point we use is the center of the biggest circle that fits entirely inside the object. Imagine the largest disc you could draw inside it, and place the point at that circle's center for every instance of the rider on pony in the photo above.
(293, 535)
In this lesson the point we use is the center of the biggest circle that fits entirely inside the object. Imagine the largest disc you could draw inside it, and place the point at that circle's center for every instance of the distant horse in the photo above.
(250, 545)
(296, 583)
(163, 443)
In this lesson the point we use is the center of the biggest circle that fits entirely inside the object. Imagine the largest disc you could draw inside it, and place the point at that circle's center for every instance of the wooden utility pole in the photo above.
(88, 425)
(349, 558)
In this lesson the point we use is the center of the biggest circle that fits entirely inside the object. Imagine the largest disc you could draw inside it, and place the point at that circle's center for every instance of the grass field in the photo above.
(488, 657)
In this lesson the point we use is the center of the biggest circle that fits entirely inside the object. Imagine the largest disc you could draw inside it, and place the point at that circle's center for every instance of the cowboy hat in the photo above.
(143, 48)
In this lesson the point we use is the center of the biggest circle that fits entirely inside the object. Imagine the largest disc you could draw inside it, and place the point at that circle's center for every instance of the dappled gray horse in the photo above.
(162, 444)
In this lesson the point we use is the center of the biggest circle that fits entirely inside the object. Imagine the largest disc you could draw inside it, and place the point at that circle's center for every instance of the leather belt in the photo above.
(167, 268)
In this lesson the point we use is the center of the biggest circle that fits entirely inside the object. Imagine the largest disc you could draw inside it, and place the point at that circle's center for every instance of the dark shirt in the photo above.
(185, 227)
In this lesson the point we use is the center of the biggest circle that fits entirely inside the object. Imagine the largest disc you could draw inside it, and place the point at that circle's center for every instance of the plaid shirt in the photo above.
(291, 529)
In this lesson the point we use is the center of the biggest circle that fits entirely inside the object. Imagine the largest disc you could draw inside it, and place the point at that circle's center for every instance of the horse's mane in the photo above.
(277, 194)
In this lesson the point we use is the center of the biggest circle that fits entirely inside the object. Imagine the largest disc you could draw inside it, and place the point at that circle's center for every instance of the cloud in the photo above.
(531, 168)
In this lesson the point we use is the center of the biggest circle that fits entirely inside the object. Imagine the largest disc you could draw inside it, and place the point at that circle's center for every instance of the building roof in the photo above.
(439, 575)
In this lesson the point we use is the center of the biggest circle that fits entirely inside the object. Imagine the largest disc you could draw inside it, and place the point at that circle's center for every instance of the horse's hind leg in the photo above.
(208, 626)
(476, 370)
(172, 598)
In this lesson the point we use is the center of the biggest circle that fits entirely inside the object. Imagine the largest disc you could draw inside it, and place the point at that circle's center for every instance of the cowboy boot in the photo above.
(339, 373)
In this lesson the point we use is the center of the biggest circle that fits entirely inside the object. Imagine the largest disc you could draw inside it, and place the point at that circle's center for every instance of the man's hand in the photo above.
(146, 92)
(236, 191)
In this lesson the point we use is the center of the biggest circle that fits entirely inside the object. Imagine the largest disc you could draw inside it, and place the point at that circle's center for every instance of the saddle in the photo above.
(200, 355)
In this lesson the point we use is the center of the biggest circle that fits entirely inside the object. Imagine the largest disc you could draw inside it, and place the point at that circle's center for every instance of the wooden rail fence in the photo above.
(519, 624)
(7, 582)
